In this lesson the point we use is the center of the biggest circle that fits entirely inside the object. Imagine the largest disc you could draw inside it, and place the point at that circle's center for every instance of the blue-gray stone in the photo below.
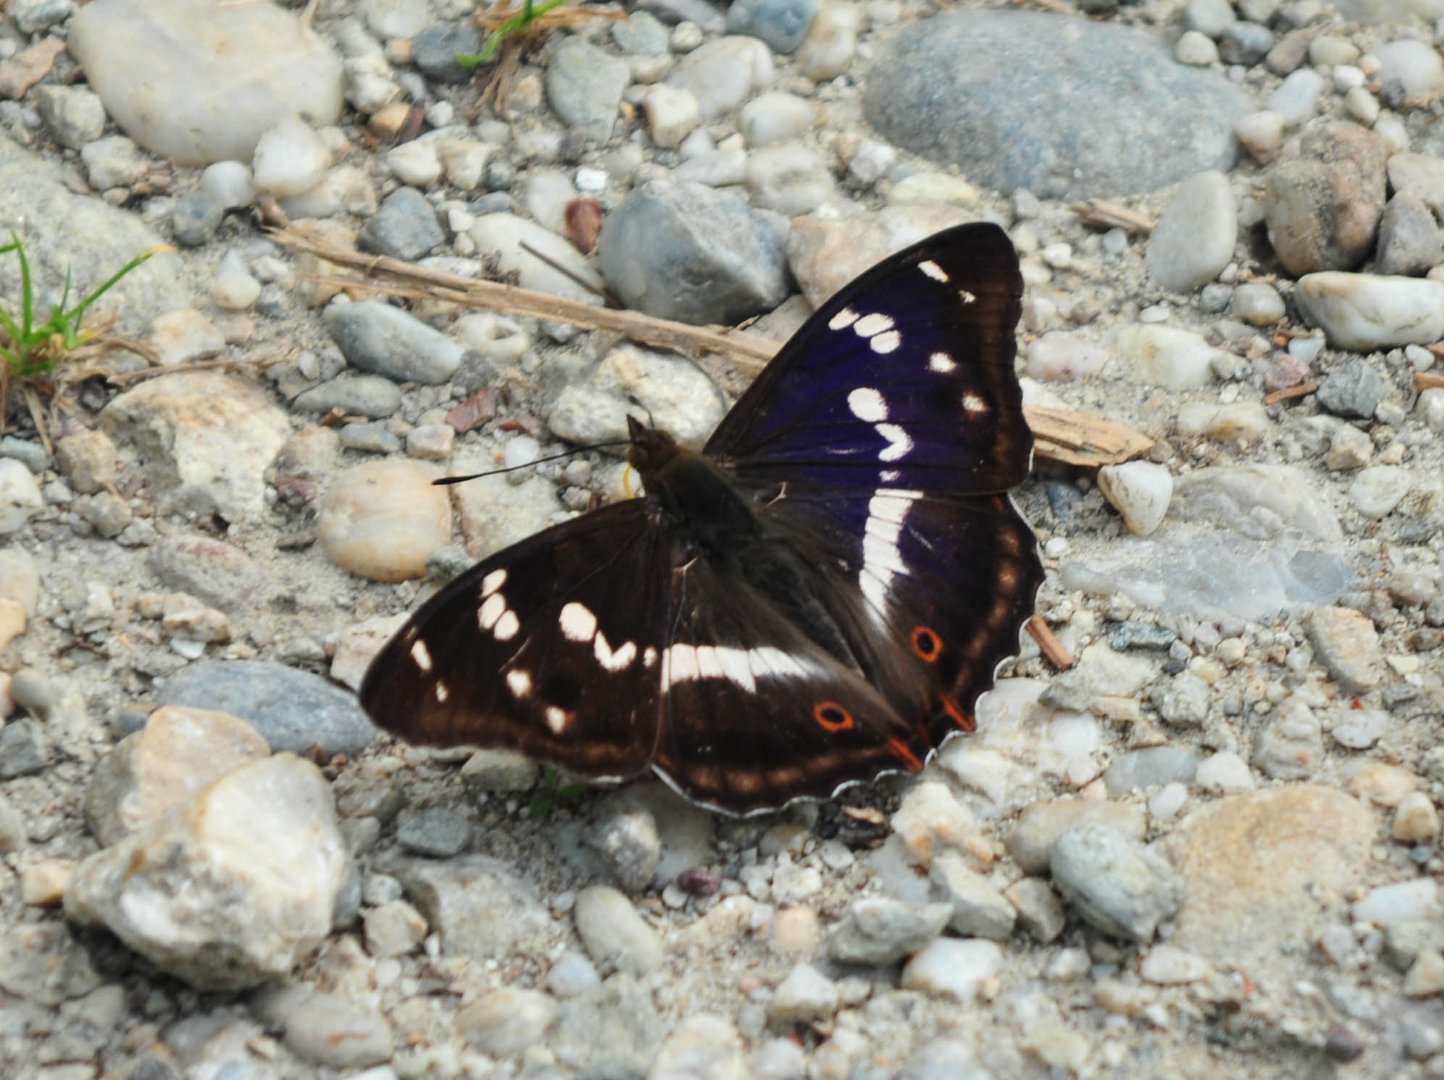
(1115, 883)
(1152, 766)
(436, 48)
(584, 87)
(370, 396)
(642, 34)
(195, 219)
(1354, 390)
(404, 227)
(1244, 43)
(1062, 106)
(782, 24)
(385, 340)
(693, 253)
(294, 710)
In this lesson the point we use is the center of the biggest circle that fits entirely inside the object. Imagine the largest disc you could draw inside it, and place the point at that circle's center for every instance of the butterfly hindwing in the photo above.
(903, 379)
(542, 648)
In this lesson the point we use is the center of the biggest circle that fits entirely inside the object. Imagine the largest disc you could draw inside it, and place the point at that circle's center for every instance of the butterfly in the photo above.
(817, 598)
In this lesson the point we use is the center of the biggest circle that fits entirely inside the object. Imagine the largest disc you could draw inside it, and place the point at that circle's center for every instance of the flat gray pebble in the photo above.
(385, 340)
(1138, 770)
(435, 49)
(614, 1030)
(438, 832)
(404, 227)
(23, 748)
(195, 218)
(1354, 390)
(1115, 883)
(782, 24)
(372, 396)
(294, 710)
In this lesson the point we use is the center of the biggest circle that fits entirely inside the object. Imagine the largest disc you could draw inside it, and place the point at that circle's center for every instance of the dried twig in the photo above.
(1072, 438)
(1288, 393)
(1102, 214)
(1428, 380)
(1054, 651)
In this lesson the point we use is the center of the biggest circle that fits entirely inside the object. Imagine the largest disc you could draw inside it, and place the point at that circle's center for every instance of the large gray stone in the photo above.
(1064, 107)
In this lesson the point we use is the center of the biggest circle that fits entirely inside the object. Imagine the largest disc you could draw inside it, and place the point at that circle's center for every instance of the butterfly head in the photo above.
(651, 450)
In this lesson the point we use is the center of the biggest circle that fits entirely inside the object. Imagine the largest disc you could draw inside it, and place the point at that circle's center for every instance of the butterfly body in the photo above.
(818, 597)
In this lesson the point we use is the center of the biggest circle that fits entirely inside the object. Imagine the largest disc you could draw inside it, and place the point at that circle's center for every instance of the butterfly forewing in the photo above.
(903, 379)
(543, 648)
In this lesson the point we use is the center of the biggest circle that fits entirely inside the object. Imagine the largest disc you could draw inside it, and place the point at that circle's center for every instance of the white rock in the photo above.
(1195, 235)
(1262, 134)
(952, 966)
(806, 994)
(830, 45)
(1168, 965)
(395, 18)
(229, 890)
(1431, 408)
(229, 184)
(1415, 65)
(1364, 312)
(1224, 773)
(774, 117)
(506, 1021)
(501, 237)
(233, 287)
(1297, 98)
(1058, 356)
(1195, 49)
(416, 163)
(200, 81)
(383, 519)
(1378, 489)
(1166, 356)
(1406, 900)
(290, 158)
(1240, 421)
(614, 934)
(672, 113)
(1139, 491)
(20, 495)
(724, 73)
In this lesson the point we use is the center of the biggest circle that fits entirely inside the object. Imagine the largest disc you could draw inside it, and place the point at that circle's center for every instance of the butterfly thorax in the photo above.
(691, 491)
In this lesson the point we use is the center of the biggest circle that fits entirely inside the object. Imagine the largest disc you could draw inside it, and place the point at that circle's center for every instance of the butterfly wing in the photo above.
(541, 648)
(756, 714)
(903, 379)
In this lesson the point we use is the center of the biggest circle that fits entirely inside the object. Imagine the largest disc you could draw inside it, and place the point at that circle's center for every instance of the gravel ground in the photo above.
(1210, 847)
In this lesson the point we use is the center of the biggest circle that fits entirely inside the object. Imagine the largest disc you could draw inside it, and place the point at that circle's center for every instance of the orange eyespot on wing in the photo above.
(926, 644)
(964, 721)
(832, 717)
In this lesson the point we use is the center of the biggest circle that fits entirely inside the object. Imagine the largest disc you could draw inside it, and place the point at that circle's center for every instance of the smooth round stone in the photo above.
(233, 288)
(394, 18)
(1244, 42)
(1409, 238)
(435, 49)
(415, 163)
(1420, 175)
(1297, 97)
(1195, 49)
(615, 936)
(371, 396)
(1209, 17)
(1331, 50)
(1257, 303)
(168, 73)
(1415, 66)
(405, 227)
(1115, 883)
(1223, 773)
(672, 114)
(1195, 235)
(1365, 312)
(229, 184)
(1058, 356)
(584, 86)
(1139, 491)
(724, 73)
(1239, 421)
(290, 158)
(774, 117)
(506, 1021)
(1378, 489)
(1166, 356)
(384, 340)
(1262, 135)
(505, 238)
(382, 519)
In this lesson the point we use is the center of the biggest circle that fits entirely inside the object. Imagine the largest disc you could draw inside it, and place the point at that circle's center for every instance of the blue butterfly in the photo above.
(818, 597)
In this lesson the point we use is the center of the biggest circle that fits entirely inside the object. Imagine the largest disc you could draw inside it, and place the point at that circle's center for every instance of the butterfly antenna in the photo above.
(445, 480)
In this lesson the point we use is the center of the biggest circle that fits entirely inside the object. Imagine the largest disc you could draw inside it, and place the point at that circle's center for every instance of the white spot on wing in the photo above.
(867, 404)
(842, 320)
(422, 655)
(973, 403)
(618, 659)
(742, 667)
(490, 611)
(577, 622)
(881, 556)
(649, 656)
(442, 693)
(519, 683)
(556, 719)
(888, 476)
(886, 342)
(493, 581)
(869, 325)
(899, 442)
(506, 626)
(967, 297)
(942, 363)
(933, 270)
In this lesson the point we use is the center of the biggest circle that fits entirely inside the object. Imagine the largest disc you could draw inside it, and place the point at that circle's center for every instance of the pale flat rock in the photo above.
(1365, 312)
(1194, 238)
(204, 440)
(632, 381)
(1265, 869)
(230, 889)
(383, 519)
(168, 74)
(1139, 491)
(1166, 356)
